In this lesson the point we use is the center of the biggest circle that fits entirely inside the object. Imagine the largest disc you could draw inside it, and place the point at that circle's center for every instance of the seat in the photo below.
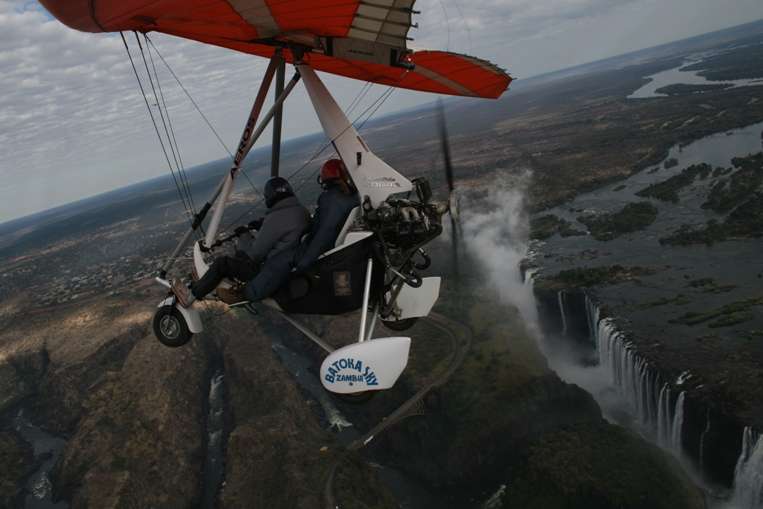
(335, 284)
(353, 215)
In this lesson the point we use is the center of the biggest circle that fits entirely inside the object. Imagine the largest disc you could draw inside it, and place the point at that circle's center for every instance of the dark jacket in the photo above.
(333, 209)
(281, 230)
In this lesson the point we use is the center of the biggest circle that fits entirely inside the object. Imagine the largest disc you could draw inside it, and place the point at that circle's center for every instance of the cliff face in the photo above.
(139, 440)
(278, 456)
(16, 458)
(599, 465)
(506, 419)
(135, 414)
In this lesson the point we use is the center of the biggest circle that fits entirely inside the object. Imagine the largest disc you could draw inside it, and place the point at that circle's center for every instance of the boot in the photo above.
(181, 292)
(232, 295)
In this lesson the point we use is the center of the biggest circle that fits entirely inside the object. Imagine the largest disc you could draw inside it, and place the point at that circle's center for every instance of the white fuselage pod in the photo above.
(371, 365)
(373, 177)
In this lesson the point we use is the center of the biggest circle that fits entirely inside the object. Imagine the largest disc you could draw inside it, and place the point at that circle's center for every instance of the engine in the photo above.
(404, 224)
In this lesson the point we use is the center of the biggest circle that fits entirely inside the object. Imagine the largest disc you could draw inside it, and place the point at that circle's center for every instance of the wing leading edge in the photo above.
(357, 39)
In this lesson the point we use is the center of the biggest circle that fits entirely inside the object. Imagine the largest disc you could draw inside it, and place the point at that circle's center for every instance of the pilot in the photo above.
(264, 263)
(335, 203)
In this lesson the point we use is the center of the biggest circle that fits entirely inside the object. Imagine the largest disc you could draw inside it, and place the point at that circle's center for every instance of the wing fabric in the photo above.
(353, 38)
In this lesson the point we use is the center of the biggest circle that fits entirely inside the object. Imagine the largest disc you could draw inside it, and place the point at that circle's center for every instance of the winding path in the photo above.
(452, 329)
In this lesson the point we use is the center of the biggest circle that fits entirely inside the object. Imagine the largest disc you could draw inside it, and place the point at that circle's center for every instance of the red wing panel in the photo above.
(224, 23)
(327, 18)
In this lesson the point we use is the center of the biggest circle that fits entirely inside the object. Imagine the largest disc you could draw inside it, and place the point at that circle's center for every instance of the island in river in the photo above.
(140, 421)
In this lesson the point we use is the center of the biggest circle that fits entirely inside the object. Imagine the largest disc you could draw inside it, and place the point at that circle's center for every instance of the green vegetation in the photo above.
(16, 458)
(685, 89)
(730, 314)
(592, 276)
(753, 334)
(730, 192)
(746, 221)
(721, 171)
(546, 226)
(678, 300)
(633, 217)
(686, 235)
(619, 188)
(667, 190)
(741, 193)
(569, 465)
(709, 285)
(731, 319)
(736, 64)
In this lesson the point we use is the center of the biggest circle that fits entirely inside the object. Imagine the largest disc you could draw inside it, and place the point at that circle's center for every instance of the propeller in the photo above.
(452, 198)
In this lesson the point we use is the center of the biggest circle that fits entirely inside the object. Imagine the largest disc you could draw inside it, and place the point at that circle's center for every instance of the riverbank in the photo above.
(677, 338)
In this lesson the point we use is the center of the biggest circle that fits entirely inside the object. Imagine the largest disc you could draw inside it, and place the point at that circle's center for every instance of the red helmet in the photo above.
(332, 169)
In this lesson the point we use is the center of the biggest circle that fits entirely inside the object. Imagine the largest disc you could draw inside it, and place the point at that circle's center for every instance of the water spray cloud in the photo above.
(495, 230)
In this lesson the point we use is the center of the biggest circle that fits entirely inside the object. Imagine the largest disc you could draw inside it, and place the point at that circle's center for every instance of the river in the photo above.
(38, 489)
(677, 76)
(630, 389)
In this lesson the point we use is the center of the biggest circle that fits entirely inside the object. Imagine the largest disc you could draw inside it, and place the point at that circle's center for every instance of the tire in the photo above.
(170, 327)
(400, 325)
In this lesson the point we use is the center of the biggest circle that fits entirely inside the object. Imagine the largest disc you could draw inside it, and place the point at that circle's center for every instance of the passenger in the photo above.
(265, 263)
(335, 203)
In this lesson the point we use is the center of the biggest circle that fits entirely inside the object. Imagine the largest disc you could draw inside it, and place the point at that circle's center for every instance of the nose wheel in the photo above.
(400, 325)
(170, 327)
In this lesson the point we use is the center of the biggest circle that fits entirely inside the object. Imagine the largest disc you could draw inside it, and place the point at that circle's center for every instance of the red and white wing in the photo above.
(354, 38)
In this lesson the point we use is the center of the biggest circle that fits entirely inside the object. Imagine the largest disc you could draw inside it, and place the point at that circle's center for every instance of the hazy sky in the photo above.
(72, 122)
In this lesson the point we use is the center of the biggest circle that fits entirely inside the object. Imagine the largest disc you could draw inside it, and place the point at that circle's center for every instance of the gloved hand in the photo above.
(241, 230)
(256, 224)
(241, 255)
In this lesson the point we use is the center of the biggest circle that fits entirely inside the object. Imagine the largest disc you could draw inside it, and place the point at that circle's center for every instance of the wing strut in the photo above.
(375, 179)
(248, 138)
(275, 153)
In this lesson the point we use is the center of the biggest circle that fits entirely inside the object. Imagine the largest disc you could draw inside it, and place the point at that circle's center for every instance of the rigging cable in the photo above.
(381, 100)
(198, 109)
(209, 124)
(164, 123)
(378, 102)
(466, 25)
(182, 170)
(359, 97)
(375, 105)
(447, 25)
(156, 128)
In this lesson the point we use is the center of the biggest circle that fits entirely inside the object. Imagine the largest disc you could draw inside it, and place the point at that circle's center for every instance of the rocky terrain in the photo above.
(672, 307)
(505, 430)
(132, 412)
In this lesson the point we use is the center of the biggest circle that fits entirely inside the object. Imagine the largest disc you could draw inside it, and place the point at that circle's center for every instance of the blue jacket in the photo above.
(334, 208)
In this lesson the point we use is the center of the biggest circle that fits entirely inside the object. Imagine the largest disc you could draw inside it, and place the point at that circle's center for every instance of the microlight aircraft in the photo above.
(374, 266)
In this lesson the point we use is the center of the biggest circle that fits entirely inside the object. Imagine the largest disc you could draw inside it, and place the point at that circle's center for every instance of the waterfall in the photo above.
(748, 474)
(663, 415)
(659, 407)
(654, 405)
(678, 424)
(529, 276)
(560, 298)
(702, 443)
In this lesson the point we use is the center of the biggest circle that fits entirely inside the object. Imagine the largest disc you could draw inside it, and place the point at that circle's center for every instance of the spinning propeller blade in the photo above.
(452, 198)
(445, 143)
